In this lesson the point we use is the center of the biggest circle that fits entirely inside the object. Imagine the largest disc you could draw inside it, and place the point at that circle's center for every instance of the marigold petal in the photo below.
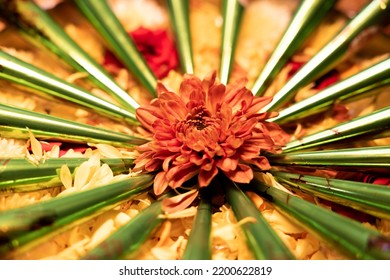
(179, 202)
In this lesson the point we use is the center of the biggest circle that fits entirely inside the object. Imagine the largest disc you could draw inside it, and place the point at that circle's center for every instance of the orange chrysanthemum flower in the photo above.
(205, 129)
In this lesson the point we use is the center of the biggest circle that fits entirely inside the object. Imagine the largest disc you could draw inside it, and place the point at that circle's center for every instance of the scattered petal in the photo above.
(179, 202)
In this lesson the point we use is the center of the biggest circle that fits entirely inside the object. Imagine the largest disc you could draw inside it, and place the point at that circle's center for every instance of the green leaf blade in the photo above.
(261, 238)
(343, 233)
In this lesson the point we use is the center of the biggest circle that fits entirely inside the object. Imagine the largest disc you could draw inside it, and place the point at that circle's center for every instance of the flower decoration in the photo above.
(157, 48)
(205, 129)
(212, 144)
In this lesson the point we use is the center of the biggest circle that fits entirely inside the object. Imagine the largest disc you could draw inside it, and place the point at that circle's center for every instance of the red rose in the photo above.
(157, 48)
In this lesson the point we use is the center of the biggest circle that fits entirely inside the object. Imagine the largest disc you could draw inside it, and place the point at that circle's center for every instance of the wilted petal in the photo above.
(179, 202)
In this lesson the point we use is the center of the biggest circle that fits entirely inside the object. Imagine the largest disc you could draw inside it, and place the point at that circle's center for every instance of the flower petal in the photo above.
(179, 202)
(148, 115)
(243, 174)
(172, 106)
(205, 176)
(160, 183)
(179, 174)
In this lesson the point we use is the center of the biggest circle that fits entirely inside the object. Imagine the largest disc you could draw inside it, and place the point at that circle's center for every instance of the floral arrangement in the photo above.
(126, 154)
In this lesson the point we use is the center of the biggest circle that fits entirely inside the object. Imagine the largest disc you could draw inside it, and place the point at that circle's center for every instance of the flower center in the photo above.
(198, 119)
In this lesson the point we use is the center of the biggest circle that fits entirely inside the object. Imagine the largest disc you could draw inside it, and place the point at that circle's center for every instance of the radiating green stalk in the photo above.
(378, 156)
(42, 28)
(370, 198)
(232, 11)
(17, 244)
(199, 243)
(40, 81)
(104, 20)
(262, 240)
(22, 175)
(307, 17)
(127, 240)
(331, 53)
(366, 125)
(366, 81)
(345, 234)
(51, 127)
(45, 213)
(179, 14)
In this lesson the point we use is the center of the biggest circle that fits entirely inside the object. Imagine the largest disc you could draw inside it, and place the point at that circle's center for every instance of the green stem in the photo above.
(21, 175)
(17, 244)
(104, 20)
(127, 240)
(370, 198)
(199, 246)
(179, 15)
(307, 17)
(14, 121)
(356, 86)
(40, 27)
(45, 213)
(232, 11)
(262, 240)
(345, 234)
(331, 53)
(39, 81)
(370, 124)
(375, 157)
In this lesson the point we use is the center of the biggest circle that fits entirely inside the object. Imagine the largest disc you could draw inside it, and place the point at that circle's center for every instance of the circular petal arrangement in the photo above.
(261, 144)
